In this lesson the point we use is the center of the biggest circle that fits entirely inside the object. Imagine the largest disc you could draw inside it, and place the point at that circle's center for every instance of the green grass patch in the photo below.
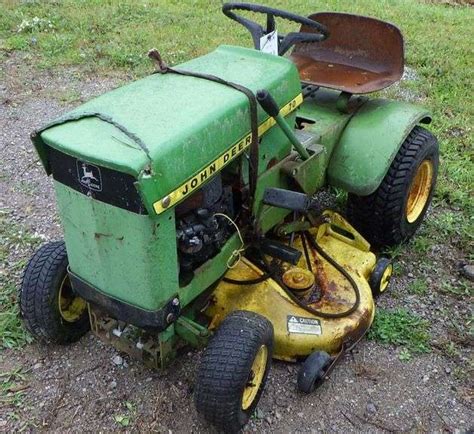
(13, 238)
(461, 288)
(12, 386)
(402, 328)
(419, 286)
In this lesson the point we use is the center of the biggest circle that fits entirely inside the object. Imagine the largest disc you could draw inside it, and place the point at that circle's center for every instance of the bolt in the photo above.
(175, 302)
(298, 277)
(165, 202)
(170, 318)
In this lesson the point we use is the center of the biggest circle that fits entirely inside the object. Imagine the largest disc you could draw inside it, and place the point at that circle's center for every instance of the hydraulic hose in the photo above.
(312, 242)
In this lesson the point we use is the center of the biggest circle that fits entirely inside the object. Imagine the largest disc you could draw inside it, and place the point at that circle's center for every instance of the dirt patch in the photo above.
(90, 387)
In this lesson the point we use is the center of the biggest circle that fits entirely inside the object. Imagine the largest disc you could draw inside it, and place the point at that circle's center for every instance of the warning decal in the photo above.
(306, 326)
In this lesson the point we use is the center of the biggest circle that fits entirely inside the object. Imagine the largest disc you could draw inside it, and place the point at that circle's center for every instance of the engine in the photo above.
(201, 230)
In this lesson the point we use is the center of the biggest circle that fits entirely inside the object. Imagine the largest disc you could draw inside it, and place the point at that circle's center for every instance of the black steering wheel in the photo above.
(257, 31)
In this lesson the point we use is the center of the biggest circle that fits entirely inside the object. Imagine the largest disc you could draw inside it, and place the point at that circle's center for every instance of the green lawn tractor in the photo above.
(190, 215)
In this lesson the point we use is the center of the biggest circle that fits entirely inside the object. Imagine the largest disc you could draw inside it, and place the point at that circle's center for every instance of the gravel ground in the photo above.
(90, 387)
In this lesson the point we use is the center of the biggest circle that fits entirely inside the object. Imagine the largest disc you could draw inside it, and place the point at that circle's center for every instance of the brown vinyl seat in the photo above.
(361, 54)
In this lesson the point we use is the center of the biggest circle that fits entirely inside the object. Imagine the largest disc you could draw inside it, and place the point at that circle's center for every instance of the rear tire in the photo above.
(233, 370)
(395, 210)
(49, 308)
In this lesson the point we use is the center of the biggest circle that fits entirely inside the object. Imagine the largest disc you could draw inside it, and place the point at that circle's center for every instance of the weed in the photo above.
(421, 244)
(394, 251)
(398, 269)
(340, 195)
(460, 289)
(399, 327)
(404, 355)
(12, 387)
(12, 333)
(451, 350)
(419, 286)
(124, 420)
(460, 373)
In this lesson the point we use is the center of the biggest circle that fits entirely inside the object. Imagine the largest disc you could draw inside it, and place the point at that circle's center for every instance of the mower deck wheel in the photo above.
(50, 309)
(380, 278)
(313, 371)
(233, 370)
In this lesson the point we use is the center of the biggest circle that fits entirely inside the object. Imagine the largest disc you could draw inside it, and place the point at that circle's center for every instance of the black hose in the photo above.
(312, 242)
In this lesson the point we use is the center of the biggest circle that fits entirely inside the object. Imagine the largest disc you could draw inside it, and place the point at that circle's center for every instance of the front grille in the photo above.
(100, 183)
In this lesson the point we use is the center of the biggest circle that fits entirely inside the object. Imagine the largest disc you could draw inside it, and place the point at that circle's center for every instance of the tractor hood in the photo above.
(165, 129)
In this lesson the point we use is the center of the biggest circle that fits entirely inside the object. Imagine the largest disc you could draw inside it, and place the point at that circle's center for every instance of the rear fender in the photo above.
(370, 142)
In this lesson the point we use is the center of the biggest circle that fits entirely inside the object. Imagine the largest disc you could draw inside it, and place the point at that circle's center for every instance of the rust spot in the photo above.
(353, 335)
(362, 54)
(272, 163)
(98, 235)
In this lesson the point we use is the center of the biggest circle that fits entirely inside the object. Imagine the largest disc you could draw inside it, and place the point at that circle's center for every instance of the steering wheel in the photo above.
(257, 31)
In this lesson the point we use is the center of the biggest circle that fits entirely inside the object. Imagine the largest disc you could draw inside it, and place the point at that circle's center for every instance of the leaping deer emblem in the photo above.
(87, 175)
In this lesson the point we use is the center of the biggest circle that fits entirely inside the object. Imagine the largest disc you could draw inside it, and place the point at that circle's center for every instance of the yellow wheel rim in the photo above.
(71, 307)
(255, 378)
(419, 192)
(387, 274)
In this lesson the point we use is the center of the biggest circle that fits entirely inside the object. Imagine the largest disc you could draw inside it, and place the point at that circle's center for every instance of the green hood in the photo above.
(166, 128)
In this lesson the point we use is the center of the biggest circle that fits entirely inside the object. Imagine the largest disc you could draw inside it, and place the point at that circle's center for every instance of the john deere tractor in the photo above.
(188, 205)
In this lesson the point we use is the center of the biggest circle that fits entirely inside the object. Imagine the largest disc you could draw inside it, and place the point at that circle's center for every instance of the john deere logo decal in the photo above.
(89, 175)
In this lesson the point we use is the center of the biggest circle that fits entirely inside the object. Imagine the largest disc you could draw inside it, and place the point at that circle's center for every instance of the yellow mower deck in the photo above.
(297, 332)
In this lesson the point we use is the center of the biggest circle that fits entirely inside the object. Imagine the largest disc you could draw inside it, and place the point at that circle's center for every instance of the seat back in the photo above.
(361, 54)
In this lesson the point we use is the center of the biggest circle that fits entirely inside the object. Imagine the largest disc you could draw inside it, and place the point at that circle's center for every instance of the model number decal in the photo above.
(203, 175)
(306, 326)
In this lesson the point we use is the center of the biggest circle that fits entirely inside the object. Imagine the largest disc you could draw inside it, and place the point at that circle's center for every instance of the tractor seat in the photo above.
(361, 54)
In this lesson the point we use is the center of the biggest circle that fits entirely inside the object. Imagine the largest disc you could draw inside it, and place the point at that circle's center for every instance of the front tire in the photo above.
(50, 309)
(234, 369)
(395, 210)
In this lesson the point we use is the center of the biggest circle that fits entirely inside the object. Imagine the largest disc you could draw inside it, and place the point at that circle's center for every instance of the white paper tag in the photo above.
(305, 326)
(269, 43)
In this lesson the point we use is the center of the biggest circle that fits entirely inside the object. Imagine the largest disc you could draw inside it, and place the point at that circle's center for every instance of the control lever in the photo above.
(271, 108)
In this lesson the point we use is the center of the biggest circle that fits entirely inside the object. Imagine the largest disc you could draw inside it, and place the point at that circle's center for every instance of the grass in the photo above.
(13, 238)
(400, 327)
(419, 286)
(13, 387)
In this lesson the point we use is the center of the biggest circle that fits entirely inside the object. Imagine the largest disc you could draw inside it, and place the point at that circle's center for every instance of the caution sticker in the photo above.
(305, 326)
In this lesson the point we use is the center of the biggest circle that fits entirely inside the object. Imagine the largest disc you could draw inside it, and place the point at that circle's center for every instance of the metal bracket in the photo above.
(156, 351)
(192, 332)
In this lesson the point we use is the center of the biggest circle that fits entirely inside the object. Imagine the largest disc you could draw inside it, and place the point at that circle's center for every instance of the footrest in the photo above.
(287, 199)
